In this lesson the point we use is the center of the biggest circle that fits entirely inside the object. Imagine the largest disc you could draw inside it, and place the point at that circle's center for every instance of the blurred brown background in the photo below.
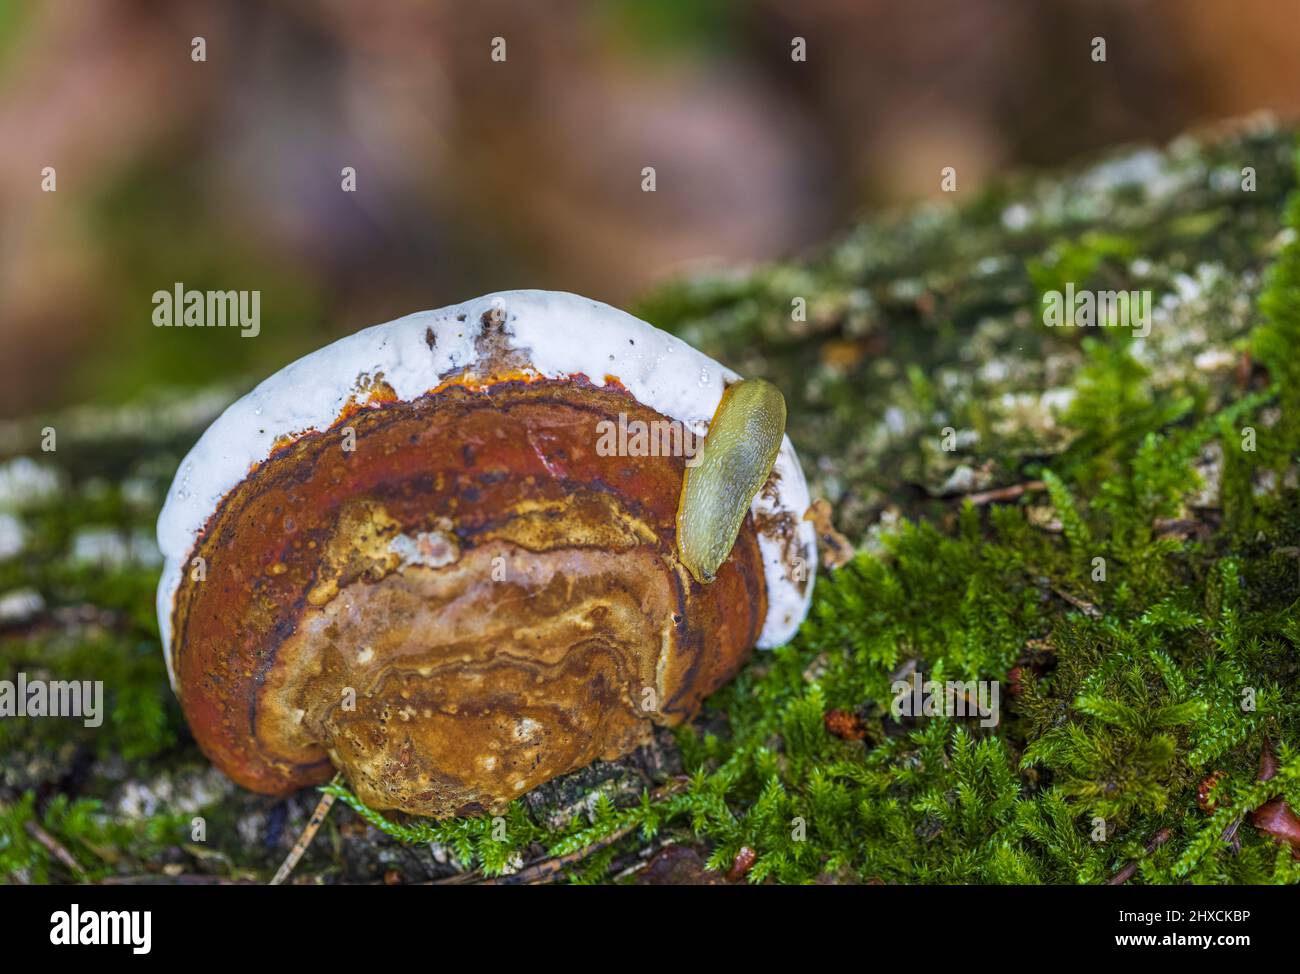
(475, 175)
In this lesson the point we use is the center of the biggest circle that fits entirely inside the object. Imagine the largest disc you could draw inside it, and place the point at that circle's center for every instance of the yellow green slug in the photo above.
(721, 481)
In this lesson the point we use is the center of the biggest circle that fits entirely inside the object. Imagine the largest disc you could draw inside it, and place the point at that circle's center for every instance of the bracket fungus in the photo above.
(441, 555)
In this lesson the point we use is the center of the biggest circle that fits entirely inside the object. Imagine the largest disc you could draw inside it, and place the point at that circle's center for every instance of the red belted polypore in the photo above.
(442, 555)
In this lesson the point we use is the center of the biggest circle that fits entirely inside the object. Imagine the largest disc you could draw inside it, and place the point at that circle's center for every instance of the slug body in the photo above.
(734, 463)
(412, 556)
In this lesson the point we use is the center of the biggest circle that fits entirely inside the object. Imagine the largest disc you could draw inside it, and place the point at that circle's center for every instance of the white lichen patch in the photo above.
(23, 482)
(110, 549)
(20, 605)
(12, 536)
(1209, 466)
(186, 793)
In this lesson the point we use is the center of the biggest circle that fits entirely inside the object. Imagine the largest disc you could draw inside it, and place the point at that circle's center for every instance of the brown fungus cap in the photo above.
(456, 595)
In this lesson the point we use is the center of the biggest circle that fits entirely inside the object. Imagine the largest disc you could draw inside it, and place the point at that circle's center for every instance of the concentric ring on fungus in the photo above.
(404, 556)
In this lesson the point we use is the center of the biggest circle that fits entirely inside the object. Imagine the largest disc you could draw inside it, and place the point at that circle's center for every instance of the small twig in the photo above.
(639, 861)
(1084, 606)
(55, 848)
(468, 878)
(1003, 493)
(313, 825)
(1173, 527)
(1125, 874)
(1267, 770)
(535, 873)
(548, 869)
(1229, 835)
(545, 870)
(162, 879)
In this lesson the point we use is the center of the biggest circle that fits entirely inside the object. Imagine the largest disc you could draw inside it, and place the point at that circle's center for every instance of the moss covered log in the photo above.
(1105, 528)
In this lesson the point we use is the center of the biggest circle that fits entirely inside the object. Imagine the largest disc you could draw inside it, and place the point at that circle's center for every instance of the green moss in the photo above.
(105, 628)
(98, 844)
(1094, 260)
(140, 717)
